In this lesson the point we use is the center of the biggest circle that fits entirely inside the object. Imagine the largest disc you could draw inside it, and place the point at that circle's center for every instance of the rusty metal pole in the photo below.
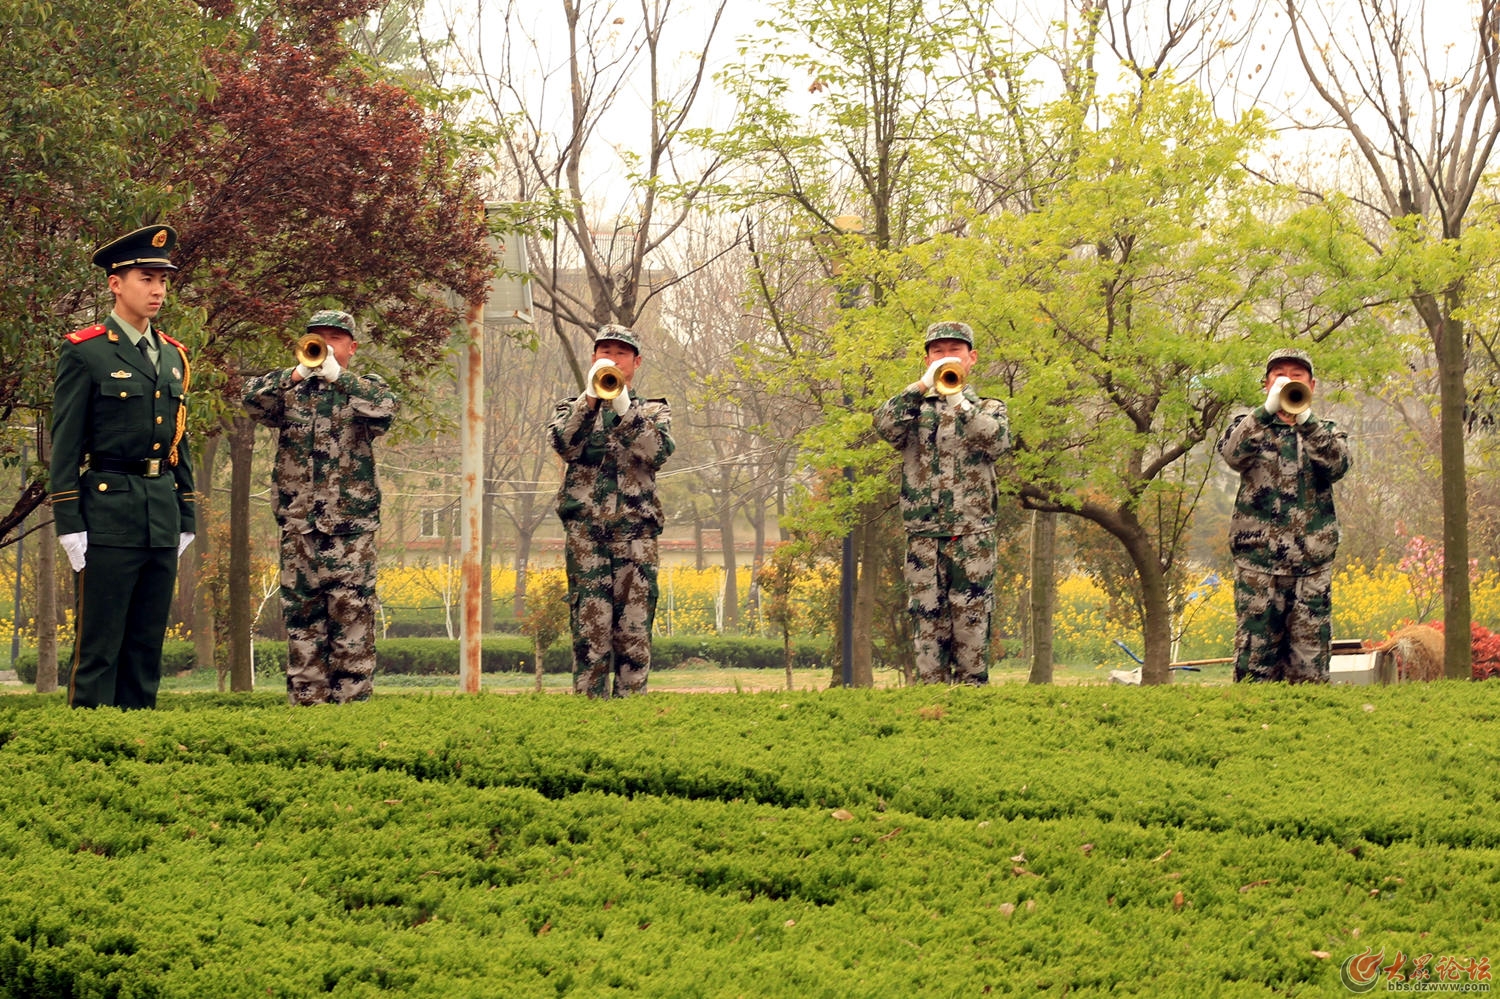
(471, 495)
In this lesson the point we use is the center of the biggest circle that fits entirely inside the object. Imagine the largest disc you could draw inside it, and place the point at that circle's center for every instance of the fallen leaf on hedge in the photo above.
(1177, 901)
(1254, 884)
(1321, 955)
(842, 814)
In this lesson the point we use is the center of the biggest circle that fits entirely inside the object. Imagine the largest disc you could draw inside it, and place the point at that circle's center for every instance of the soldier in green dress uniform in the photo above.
(121, 477)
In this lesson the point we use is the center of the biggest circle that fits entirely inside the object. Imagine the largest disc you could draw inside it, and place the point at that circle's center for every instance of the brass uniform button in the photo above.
(122, 395)
(158, 393)
(158, 419)
(103, 486)
(156, 447)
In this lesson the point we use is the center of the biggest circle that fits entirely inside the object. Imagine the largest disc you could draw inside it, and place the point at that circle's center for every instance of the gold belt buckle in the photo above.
(153, 468)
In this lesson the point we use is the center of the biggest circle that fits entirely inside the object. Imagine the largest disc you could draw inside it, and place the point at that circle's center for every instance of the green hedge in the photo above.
(175, 657)
(498, 654)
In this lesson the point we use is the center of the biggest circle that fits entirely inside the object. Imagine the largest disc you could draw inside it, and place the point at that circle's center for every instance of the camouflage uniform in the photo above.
(328, 507)
(612, 518)
(948, 502)
(1283, 537)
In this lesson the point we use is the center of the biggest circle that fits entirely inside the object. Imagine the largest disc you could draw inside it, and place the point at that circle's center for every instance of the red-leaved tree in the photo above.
(311, 182)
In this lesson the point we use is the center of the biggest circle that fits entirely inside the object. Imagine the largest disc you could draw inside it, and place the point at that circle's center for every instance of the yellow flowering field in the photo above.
(1369, 602)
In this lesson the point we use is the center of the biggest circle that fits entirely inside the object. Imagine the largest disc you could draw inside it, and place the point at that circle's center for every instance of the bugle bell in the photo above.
(1295, 397)
(949, 377)
(311, 350)
(608, 382)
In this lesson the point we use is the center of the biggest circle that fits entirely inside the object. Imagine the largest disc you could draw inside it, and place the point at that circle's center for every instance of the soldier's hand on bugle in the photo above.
(590, 379)
(929, 378)
(330, 369)
(1273, 397)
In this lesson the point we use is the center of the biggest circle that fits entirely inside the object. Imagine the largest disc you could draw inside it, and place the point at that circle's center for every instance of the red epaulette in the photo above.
(174, 343)
(87, 333)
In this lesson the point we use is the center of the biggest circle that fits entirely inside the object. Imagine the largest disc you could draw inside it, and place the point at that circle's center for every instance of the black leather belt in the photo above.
(149, 468)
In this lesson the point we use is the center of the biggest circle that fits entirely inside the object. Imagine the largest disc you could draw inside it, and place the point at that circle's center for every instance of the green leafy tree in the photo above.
(546, 617)
(1420, 108)
(1129, 314)
(87, 89)
(865, 169)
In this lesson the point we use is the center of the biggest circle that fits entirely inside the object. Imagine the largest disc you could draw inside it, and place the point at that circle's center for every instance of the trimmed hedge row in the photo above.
(498, 654)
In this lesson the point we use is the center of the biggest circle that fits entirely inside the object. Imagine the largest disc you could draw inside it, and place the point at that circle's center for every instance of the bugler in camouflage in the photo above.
(328, 506)
(612, 517)
(1283, 536)
(948, 504)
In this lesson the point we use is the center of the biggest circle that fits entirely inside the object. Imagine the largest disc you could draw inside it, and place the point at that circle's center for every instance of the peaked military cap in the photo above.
(611, 331)
(339, 320)
(147, 247)
(949, 330)
(1290, 354)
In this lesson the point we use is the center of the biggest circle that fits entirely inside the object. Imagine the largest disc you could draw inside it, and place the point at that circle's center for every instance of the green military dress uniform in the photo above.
(121, 471)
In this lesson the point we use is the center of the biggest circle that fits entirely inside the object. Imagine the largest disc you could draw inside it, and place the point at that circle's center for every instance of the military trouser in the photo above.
(328, 602)
(1284, 625)
(612, 604)
(950, 585)
(123, 599)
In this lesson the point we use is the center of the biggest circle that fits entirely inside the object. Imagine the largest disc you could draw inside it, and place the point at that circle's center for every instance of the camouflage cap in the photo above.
(949, 330)
(335, 318)
(1290, 354)
(611, 331)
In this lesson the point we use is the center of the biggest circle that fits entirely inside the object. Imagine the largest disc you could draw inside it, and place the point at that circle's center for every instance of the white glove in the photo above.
(588, 379)
(1304, 416)
(330, 369)
(304, 371)
(929, 379)
(1273, 397)
(183, 540)
(75, 545)
(621, 402)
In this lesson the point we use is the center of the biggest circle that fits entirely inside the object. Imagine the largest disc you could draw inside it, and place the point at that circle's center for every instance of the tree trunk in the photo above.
(486, 584)
(523, 569)
(1043, 593)
(1447, 333)
(786, 650)
(204, 625)
(869, 549)
(241, 450)
(1156, 668)
(731, 569)
(46, 608)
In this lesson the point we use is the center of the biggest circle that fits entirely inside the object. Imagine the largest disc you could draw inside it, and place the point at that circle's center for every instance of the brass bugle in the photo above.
(608, 382)
(949, 377)
(312, 350)
(1296, 397)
